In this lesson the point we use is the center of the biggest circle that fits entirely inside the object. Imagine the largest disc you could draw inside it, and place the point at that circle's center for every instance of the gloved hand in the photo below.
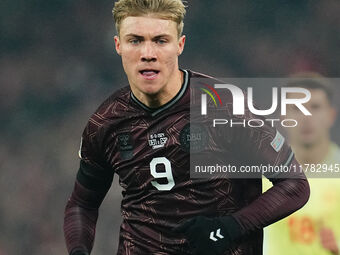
(210, 235)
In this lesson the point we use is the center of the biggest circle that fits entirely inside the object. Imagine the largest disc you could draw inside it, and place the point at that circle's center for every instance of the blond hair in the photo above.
(165, 9)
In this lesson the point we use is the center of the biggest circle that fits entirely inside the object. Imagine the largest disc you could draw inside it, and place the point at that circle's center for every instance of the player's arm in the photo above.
(94, 179)
(290, 189)
(216, 235)
(81, 210)
(289, 193)
(265, 146)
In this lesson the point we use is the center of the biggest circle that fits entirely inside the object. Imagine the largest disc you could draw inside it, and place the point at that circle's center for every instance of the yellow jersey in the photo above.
(299, 233)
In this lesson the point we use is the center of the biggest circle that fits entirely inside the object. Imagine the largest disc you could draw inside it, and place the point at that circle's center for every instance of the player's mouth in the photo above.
(149, 74)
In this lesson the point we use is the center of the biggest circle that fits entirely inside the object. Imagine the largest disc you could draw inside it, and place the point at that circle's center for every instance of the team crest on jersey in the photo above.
(157, 140)
(193, 138)
(125, 145)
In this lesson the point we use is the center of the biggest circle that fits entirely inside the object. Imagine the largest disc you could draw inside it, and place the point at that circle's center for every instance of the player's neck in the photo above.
(165, 95)
(314, 154)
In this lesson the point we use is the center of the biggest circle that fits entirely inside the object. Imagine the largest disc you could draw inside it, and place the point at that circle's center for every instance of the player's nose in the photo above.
(148, 52)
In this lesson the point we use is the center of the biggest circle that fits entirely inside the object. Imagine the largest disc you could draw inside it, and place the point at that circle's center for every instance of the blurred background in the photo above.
(57, 64)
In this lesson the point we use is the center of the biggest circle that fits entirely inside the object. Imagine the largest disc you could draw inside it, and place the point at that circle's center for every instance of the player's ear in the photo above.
(181, 43)
(117, 44)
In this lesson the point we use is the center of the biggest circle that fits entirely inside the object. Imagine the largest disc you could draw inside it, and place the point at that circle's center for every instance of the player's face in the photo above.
(311, 129)
(149, 47)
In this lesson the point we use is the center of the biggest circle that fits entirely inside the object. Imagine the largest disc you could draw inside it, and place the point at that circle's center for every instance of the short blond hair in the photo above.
(165, 9)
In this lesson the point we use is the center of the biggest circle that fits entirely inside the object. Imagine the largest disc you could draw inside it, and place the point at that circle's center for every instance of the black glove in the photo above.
(210, 235)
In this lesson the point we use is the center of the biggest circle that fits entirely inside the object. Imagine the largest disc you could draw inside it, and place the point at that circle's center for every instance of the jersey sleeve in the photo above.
(265, 146)
(94, 171)
(94, 179)
(255, 140)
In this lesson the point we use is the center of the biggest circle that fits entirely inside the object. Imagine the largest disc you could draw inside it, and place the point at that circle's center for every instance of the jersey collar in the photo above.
(174, 100)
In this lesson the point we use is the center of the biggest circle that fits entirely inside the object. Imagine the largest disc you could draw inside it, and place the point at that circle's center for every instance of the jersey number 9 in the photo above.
(165, 174)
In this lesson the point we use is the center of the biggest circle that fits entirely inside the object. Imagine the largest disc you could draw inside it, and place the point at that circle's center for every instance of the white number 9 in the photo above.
(167, 174)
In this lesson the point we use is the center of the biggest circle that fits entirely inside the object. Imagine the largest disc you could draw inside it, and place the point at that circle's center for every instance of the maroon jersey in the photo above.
(148, 150)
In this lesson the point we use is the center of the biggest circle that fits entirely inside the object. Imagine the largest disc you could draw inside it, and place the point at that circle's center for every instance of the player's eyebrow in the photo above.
(134, 35)
(142, 37)
(160, 36)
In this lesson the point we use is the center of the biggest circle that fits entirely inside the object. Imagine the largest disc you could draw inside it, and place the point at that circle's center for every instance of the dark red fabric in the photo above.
(285, 197)
(81, 215)
(120, 137)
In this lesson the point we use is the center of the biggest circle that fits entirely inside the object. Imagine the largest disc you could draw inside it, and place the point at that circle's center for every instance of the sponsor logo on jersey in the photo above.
(158, 140)
(193, 138)
(278, 141)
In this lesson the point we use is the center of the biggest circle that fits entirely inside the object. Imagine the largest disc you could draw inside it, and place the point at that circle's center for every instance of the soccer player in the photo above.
(140, 133)
(315, 229)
